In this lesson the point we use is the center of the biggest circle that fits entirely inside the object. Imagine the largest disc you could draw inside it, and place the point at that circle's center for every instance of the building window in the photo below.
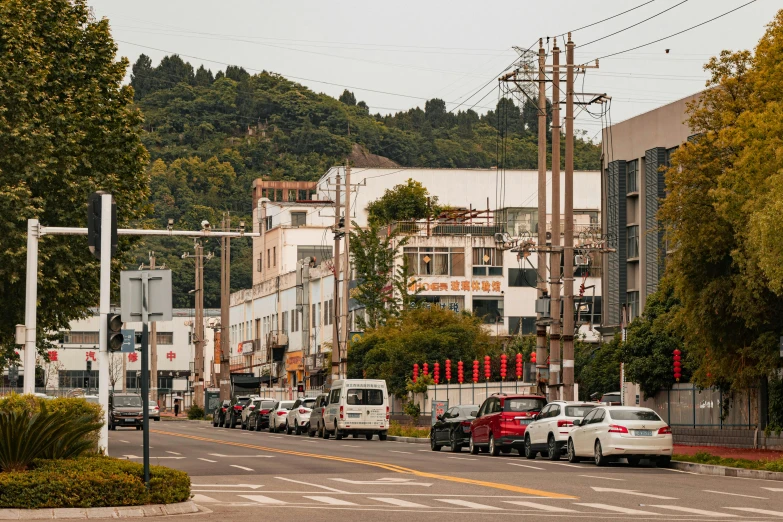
(298, 219)
(490, 310)
(165, 384)
(81, 337)
(521, 220)
(435, 261)
(274, 256)
(260, 264)
(521, 326)
(633, 241)
(487, 261)
(318, 252)
(632, 176)
(269, 222)
(525, 277)
(295, 320)
(668, 157)
(268, 258)
(632, 308)
(165, 337)
(285, 322)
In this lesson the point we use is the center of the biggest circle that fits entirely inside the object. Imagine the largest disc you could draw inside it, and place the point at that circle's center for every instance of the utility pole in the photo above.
(554, 256)
(200, 337)
(346, 275)
(153, 345)
(568, 250)
(225, 296)
(542, 290)
(336, 319)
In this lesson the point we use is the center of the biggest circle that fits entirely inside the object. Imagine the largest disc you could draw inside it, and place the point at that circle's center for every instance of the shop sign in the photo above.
(456, 286)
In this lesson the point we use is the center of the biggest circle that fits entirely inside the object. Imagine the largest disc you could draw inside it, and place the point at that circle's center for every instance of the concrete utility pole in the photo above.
(568, 250)
(346, 275)
(153, 346)
(554, 256)
(542, 290)
(198, 378)
(225, 295)
(336, 318)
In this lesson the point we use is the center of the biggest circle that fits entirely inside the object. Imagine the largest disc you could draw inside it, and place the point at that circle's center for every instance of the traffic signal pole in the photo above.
(103, 352)
(30, 305)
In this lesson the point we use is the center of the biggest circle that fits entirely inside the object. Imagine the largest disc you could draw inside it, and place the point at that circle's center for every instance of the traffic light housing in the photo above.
(89, 366)
(114, 332)
(94, 215)
(300, 388)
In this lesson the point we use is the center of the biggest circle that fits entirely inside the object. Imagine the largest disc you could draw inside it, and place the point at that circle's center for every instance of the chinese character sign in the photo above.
(171, 356)
(52, 355)
(484, 286)
(90, 356)
(133, 357)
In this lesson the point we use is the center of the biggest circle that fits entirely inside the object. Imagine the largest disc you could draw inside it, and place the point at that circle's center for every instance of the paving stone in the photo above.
(66, 513)
(102, 512)
(181, 509)
(130, 512)
(153, 510)
(36, 514)
(9, 514)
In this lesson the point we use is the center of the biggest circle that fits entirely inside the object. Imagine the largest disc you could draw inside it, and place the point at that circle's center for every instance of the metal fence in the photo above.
(687, 405)
(467, 393)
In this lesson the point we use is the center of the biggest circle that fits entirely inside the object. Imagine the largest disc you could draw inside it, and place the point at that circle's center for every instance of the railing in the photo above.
(687, 405)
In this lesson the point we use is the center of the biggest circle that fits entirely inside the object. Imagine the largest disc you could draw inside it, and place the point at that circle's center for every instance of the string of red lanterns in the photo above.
(415, 372)
(448, 370)
(519, 366)
(503, 366)
(460, 374)
(677, 365)
(475, 370)
(436, 372)
(424, 369)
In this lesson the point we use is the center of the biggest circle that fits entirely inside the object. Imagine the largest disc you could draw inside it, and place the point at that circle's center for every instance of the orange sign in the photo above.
(294, 361)
(456, 286)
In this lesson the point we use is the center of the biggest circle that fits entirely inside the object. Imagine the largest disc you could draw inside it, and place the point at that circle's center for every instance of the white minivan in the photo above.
(357, 406)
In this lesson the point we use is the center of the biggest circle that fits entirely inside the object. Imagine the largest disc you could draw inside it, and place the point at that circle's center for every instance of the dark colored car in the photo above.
(234, 411)
(258, 419)
(125, 410)
(501, 423)
(452, 429)
(219, 415)
(611, 398)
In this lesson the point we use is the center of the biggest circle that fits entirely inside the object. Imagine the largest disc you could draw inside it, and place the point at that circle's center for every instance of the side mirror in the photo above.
(577, 422)
(535, 416)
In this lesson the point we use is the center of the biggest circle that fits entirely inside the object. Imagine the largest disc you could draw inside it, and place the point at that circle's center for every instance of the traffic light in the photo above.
(300, 388)
(89, 366)
(114, 333)
(94, 213)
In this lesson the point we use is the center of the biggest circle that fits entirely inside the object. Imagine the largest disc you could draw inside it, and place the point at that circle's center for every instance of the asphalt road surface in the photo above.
(238, 474)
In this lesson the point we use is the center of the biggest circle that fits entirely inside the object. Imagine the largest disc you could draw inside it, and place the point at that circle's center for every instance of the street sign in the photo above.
(438, 408)
(128, 341)
(145, 295)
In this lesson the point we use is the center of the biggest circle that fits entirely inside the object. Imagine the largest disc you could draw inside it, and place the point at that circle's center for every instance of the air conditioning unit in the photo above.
(581, 260)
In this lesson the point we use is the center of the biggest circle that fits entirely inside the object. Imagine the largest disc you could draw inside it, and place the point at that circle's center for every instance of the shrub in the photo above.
(195, 413)
(94, 481)
(407, 430)
(412, 409)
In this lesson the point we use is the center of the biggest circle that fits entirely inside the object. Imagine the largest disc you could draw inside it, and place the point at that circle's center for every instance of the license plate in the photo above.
(525, 422)
(466, 429)
(643, 433)
(354, 415)
(129, 420)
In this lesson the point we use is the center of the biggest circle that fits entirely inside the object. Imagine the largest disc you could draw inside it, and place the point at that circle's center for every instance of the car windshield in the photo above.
(468, 411)
(127, 401)
(632, 415)
(531, 404)
(308, 403)
(578, 411)
(267, 405)
(285, 405)
(242, 399)
(364, 397)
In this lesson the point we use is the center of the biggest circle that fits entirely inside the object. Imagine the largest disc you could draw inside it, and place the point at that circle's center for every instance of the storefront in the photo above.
(294, 365)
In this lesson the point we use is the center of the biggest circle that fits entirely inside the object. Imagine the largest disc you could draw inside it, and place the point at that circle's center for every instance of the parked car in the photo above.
(548, 433)
(234, 412)
(219, 415)
(611, 432)
(258, 418)
(358, 407)
(249, 406)
(154, 411)
(501, 423)
(279, 414)
(317, 415)
(298, 419)
(611, 398)
(125, 410)
(91, 398)
(452, 429)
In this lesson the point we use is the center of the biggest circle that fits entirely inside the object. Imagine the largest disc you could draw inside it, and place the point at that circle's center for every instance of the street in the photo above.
(237, 474)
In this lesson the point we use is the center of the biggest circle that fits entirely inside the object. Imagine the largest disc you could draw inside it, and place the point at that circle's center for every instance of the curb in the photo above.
(415, 440)
(150, 510)
(723, 471)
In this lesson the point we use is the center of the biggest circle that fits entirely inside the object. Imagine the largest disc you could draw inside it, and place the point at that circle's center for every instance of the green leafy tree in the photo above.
(68, 127)
(401, 203)
(597, 367)
(348, 98)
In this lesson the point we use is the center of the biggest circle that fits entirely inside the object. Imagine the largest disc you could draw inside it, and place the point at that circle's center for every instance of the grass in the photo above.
(708, 458)
(407, 430)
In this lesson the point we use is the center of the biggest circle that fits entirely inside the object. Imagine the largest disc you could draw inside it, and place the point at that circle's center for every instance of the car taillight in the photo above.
(237, 407)
(666, 430)
(302, 410)
(341, 413)
(387, 413)
(616, 428)
(564, 424)
(223, 409)
(465, 423)
(264, 412)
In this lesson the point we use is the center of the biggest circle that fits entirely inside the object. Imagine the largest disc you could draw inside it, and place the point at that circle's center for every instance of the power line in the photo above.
(605, 19)
(634, 25)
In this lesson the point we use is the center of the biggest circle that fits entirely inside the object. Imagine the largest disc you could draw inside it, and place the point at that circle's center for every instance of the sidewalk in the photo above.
(729, 453)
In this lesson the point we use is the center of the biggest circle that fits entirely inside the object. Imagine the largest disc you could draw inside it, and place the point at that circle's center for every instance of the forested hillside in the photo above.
(210, 135)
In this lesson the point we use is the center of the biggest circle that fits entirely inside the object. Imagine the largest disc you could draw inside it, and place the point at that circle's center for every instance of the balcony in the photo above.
(277, 339)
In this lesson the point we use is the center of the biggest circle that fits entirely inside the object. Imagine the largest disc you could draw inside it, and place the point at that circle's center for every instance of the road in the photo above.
(238, 474)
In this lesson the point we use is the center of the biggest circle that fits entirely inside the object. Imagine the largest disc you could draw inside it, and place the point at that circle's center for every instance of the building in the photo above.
(631, 189)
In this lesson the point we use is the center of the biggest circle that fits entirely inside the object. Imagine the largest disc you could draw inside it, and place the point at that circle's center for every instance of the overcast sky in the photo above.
(413, 51)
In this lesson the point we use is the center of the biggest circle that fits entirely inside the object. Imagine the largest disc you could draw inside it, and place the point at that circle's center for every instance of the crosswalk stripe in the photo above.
(203, 498)
(617, 509)
(759, 511)
(468, 504)
(695, 511)
(542, 507)
(331, 501)
(398, 502)
(261, 499)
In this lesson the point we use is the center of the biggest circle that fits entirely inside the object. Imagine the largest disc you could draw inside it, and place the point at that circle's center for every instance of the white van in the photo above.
(358, 407)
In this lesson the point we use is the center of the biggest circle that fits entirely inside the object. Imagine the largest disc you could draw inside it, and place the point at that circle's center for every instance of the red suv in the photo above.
(501, 423)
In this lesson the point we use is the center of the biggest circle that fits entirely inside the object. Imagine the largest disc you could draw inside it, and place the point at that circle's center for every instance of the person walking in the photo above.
(176, 406)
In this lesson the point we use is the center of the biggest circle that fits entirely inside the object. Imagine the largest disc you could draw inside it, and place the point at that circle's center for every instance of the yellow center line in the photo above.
(382, 465)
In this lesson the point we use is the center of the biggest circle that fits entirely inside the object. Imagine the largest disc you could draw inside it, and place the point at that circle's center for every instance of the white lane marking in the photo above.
(251, 486)
(331, 501)
(242, 456)
(468, 504)
(695, 511)
(631, 492)
(679, 471)
(241, 467)
(460, 458)
(733, 494)
(617, 509)
(174, 453)
(428, 451)
(203, 498)
(350, 446)
(405, 452)
(261, 499)
(605, 478)
(207, 460)
(137, 457)
(310, 484)
(542, 507)
(125, 441)
(524, 466)
(561, 464)
(773, 489)
(398, 502)
(384, 482)
(759, 511)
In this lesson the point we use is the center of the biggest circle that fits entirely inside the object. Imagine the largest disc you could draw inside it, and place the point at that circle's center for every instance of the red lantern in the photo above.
(475, 371)
(533, 357)
(503, 365)
(426, 369)
(416, 372)
(519, 366)
(460, 373)
(448, 370)
(487, 367)
(436, 372)
(677, 365)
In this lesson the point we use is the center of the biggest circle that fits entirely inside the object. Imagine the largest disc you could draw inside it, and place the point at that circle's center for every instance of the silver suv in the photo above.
(317, 416)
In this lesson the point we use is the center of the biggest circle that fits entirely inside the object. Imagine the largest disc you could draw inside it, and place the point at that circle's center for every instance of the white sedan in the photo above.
(299, 416)
(548, 433)
(278, 415)
(611, 432)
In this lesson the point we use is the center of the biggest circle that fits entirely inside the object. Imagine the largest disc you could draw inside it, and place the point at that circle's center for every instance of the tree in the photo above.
(68, 127)
(348, 98)
(143, 77)
(115, 369)
(597, 367)
(403, 202)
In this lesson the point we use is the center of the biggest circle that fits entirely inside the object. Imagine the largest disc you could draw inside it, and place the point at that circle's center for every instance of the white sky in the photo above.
(440, 49)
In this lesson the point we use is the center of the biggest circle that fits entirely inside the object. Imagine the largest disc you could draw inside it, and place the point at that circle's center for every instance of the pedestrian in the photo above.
(176, 407)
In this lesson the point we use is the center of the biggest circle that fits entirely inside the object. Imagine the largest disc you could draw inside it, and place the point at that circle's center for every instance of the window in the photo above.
(165, 337)
(633, 241)
(81, 337)
(298, 219)
(190, 337)
(633, 306)
(487, 261)
(491, 310)
(522, 277)
(554, 411)
(633, 415)
(521, 325)
(268, 258)
(334, 398)
(521, 405)
(598, 417)
(668, 157)
(632, 176)
(165, 383)
(293, 321)
(437, 261)
(589, 418)
(364, 397)
(269, 222)
(521, 220)
(314, 318)
(79, 379)
(578, 411)
(318, 252)
(285, 322)
(260, 264)
(274, 256)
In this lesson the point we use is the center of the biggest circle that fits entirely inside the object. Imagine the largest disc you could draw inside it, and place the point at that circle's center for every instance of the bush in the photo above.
(195, 413)
(94, 481)
(407, 430)
(709, 458)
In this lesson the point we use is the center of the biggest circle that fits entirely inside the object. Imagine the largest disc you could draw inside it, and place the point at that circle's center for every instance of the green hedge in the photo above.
(94, 481)
(74, 407)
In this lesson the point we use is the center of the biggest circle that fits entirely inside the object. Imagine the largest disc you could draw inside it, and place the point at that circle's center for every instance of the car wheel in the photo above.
(324, 432)
(214, 421)
(383, 435)
(270, 427)
(287, 428)
(572, 458)
(310, 432)
(368, 436)
(552, 449)
(434, 445)
(298, 430)
(494, 450)
(337, 434)
(598, 455)
(472, 447)
(663, 462)
(454, 446)
(529, 453)
(634, 461)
